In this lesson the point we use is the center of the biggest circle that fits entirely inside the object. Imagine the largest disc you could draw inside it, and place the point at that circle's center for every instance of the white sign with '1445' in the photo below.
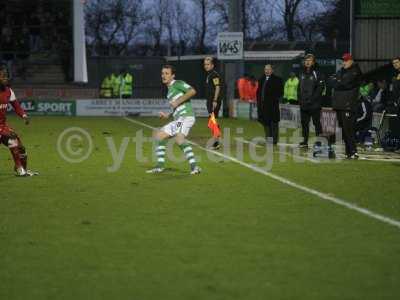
(230, 45)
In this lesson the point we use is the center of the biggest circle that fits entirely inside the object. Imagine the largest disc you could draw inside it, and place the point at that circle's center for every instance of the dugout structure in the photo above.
(375, 32)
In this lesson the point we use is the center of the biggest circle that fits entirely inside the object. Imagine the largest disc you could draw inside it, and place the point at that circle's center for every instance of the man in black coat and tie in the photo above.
(270, 90)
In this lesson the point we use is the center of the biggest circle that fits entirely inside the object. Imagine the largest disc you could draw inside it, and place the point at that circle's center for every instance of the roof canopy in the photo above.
(249, 55)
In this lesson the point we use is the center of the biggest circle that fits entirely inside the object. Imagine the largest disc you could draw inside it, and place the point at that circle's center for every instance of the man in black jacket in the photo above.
(311, 86)
(346, 86)
(396, 82)
(270, 90)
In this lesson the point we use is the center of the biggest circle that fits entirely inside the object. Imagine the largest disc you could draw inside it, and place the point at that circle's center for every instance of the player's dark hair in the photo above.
(396, 58)
(171, 67)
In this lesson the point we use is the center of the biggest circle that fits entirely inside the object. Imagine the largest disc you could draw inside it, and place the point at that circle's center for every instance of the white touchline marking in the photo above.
(315, 161)
(368, 158)
(283, 180)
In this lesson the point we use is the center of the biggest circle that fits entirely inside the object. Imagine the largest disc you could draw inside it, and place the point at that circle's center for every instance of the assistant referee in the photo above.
(214, 90)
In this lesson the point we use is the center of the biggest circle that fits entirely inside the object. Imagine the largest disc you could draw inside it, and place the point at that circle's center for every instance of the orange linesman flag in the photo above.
(214, 127)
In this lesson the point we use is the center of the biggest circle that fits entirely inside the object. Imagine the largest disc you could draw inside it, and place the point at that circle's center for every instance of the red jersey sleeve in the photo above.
(15, 104)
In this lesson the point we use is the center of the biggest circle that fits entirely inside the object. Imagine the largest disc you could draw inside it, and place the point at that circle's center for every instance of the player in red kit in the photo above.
(8, 137)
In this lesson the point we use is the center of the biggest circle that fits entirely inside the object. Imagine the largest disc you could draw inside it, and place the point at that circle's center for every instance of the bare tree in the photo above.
(218, 20)
(185, 31)
(244, 14)
(309, 28)
(172, 27)
(203, 5)
(335, 21)
(289, 13)
(220, 9)
(261, 24)
(177, 27)
(301, 18)
(155, 25)
(113, 24)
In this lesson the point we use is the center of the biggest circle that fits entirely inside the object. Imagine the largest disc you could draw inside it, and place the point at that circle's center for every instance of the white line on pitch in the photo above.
(280, 145)
(283, 180)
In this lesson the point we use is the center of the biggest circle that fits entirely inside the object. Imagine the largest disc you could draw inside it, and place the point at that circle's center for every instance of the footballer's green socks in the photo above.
(187, 149)
(160, 153)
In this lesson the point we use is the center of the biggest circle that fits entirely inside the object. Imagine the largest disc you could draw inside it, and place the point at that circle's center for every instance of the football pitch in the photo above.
(257, 223)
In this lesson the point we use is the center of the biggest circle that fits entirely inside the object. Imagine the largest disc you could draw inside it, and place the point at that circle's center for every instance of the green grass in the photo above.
(78, 231)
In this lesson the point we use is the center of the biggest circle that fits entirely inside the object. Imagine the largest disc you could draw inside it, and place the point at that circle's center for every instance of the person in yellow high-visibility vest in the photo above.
(290, 89)
(116, 85)
(127, 82)
(106, 87)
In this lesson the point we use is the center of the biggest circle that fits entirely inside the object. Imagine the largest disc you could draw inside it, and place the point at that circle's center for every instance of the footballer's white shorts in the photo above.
(181, 125)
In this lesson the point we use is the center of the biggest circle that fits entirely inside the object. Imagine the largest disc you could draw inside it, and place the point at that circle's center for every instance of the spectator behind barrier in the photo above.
(380, 97)
(116, 84)
(127, 83)
(363, 118)
(395, 87)
(290, 90)
(247, 87)
(106, 87)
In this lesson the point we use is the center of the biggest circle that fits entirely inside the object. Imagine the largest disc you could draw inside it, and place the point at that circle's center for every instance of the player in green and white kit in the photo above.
(179, 95)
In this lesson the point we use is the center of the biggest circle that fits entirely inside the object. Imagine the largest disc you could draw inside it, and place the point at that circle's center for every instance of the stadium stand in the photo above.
(35, 45)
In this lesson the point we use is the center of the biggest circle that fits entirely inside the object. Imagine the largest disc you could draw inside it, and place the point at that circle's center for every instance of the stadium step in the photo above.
(42, 74)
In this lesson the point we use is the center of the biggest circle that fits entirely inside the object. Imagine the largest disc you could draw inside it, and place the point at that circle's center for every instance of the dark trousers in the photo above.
(305, 116)
(210, 107)
(362, 131)
(347, 121)
(271, 131)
